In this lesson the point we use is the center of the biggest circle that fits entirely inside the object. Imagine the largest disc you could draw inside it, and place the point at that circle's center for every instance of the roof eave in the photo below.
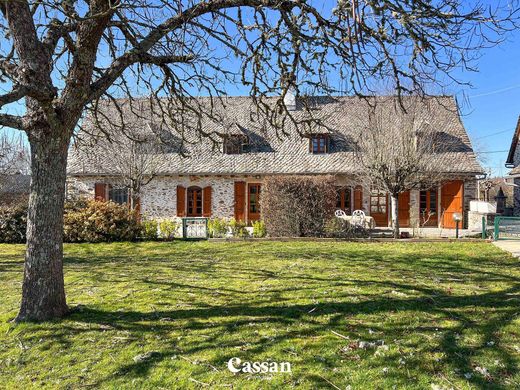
(512, 149)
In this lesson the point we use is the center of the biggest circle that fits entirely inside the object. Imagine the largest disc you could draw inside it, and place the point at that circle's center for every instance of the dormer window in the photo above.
(319, 143)
(234, 144)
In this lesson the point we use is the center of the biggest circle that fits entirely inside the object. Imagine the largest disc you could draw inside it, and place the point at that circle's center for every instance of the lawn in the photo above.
(368, 315)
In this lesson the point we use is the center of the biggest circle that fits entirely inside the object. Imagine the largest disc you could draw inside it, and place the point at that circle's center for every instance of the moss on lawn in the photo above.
(447, 312)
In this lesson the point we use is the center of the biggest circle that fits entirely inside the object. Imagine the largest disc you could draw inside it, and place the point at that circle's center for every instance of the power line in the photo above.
(495, 91)
(493, 151)
(496, 133)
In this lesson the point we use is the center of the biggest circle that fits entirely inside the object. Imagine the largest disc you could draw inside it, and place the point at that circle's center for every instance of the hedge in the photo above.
(84, 221)
(297, 206)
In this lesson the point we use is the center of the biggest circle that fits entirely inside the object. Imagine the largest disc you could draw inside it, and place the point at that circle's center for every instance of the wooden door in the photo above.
(253, 201)
(343, 199)
(379, 208)
(428, 208)
(452, 195)
(403, 209)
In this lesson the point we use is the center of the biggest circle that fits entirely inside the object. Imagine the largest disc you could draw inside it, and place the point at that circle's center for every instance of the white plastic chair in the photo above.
(358, 218)
(340, 214)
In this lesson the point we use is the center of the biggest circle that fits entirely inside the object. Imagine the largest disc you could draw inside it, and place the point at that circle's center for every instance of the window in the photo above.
(118, 195)
(253, 201)
(343, 200)
(234, 144)
(428, 208)
(319, 144)
(377, 202)
(194, 202)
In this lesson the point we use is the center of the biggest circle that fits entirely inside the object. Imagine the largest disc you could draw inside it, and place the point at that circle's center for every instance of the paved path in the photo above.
(511, 246)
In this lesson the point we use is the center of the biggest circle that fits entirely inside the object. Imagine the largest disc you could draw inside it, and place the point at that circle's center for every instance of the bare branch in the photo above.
(16, 94)
(13, 121)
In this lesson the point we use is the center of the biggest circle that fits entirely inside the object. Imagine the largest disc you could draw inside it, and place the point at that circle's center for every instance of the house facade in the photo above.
(202, 178)
(513, 161)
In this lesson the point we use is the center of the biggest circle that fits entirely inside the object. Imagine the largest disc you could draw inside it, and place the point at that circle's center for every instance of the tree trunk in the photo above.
(43, 291)
(395, 215)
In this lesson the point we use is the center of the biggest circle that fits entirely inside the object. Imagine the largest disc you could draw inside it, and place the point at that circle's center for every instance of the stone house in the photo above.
(14, 188)
(513, 161)
(202, 177)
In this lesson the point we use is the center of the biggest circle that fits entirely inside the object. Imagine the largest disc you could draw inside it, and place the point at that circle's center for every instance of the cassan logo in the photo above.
(236, 365)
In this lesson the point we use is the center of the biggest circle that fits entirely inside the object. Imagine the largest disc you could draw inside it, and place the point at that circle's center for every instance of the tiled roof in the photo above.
(270, 152)
(515, 171)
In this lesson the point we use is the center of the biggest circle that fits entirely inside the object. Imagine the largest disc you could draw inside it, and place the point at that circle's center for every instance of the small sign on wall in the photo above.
(195, 228)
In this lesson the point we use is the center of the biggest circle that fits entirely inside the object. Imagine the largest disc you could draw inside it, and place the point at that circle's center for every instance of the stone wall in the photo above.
(516, 197)
(159, 198)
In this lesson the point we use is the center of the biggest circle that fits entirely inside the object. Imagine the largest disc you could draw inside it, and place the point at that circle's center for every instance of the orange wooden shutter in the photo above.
(100, 192)
(181, 201)
(206, 201)
(240, 200)
(452, 199)
(358, 198)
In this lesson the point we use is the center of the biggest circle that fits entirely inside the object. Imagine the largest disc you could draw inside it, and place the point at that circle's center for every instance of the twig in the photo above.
(329, 382)
(340, 335)
(191, 361)
(198, 382)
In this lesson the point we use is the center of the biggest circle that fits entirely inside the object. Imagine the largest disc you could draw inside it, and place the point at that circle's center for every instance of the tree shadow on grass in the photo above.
(230, 318)
(308, 320)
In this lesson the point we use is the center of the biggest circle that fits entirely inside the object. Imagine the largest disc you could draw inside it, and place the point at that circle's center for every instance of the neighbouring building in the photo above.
(14, 187)
(513, 161)
(224, 179)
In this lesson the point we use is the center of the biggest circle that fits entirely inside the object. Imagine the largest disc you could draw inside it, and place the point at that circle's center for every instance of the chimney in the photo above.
(290, 99)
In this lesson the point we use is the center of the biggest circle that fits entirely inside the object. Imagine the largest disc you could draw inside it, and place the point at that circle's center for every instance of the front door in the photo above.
(253, 201)
(428, 208)
(403, 208)
(379, 208)
(451, 202)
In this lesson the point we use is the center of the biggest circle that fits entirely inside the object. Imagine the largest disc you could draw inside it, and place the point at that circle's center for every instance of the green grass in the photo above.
(445, 311)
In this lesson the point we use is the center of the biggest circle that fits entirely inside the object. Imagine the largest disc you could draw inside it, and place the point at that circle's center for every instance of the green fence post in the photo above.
(483, 228)
(497, 221)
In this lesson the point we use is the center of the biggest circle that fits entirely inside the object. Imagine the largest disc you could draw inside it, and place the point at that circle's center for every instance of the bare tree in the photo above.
(14, 155)
(399, 150)
(134, 158)
(61, 57)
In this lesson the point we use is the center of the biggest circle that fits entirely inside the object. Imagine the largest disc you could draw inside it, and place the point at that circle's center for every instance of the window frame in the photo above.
(382, 201)
(234, 144)
(322, 143)
(253, 216)
(121, 192)
(191, 197)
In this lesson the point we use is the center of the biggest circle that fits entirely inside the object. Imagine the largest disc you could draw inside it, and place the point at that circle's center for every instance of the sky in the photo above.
(490, 107)
(492, 104)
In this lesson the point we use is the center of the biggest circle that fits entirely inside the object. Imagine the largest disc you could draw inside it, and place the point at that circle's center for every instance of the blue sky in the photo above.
(492, 105)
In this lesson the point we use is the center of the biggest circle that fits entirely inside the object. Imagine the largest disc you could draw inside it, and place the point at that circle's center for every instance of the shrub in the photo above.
(168, 229)
(297, 206)
(339, 228)
(149, 230)
(13, 222)
(238, 228)
(259, 229)
(218, 227)
(336, 228)
(100, 222)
